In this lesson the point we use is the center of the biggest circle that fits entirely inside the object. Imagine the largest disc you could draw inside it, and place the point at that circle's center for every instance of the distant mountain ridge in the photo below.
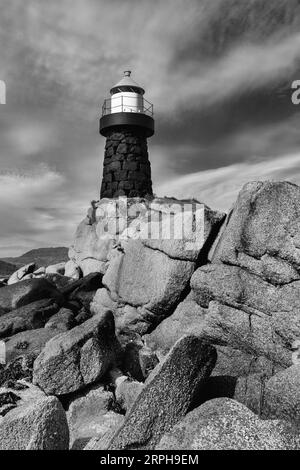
(40, 256)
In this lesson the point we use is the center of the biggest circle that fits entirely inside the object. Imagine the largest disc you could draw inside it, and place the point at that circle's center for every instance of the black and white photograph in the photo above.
(149, 229)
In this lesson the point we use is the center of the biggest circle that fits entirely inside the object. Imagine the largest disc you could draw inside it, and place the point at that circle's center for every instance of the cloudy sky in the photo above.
(219, 73)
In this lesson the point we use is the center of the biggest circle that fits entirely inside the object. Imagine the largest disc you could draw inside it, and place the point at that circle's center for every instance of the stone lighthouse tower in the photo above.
(126, 122)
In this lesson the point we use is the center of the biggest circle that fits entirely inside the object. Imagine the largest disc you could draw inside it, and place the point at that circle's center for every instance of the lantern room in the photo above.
(127, 106)
(126, 96)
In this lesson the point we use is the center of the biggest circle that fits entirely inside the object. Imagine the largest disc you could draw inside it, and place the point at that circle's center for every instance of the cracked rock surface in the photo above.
(167, 395)
(81, 356)
(247, 300)
(147, 275)
(224, 424)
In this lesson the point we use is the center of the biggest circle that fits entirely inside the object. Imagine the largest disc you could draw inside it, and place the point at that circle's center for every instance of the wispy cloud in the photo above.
(35, 210)
(244, 68)
(219, 188)
(195, 59)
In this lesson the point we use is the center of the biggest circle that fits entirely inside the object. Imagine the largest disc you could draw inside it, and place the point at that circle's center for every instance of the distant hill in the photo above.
(40, 256)
(6, 269)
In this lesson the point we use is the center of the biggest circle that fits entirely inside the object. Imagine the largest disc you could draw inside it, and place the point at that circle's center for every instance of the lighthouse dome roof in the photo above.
(127, 84)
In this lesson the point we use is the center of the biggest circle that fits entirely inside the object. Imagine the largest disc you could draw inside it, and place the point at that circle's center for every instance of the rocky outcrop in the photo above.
(219, 308)
(126, 389)
(29, 317)
(27, 323)
(11, 373)
(21, 273)
(138, 360)
(127, 392)
(72, 270)
(84, 290)
(224, 424)
(110, 422)
(141, 218)
(281, 397)
(145, 286)
(63, 320)
(53, 271)
(37, 425)
(251, 290)
(241, 376)
(40, 272)
(248, 297)
(247, 312)
(145, 276)
(28, 344)
(26, 292)
(79, 357)
(58, 280)
(58, 268)
(187, 319)
(19, 393)
(246, 301)
(168, 394)
(85, 414)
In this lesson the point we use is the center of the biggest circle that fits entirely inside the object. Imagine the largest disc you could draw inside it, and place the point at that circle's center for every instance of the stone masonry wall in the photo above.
(127, 170)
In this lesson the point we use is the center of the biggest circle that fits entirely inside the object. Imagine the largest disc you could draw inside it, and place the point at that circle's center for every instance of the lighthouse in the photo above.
(126, 122)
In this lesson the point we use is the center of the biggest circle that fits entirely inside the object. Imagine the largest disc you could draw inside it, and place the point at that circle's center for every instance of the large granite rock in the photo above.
(84, 290)
(29, 317)
(247, 312)
(26, 292)
(248, 390)
(231, 364)
(21, 273)
(250, 292)
(237, 374)
(241, 376)
(58, 268)
(281, 397)
(28, 344)
(63, 320)
(72, 270)
(89, 283)
(85, 414)
(18, 393)
(145, 284)
(224, 424)
(151, 245)
(126, 389)
(138, 360)
(147, 278)
(237, 363)
(78, 357)
(37, 425)
(262, 234)
(87, 247)
(167, 395)
(194, 225)
(187, 319)
(110, 422)
(246, 302)
(14, 371)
